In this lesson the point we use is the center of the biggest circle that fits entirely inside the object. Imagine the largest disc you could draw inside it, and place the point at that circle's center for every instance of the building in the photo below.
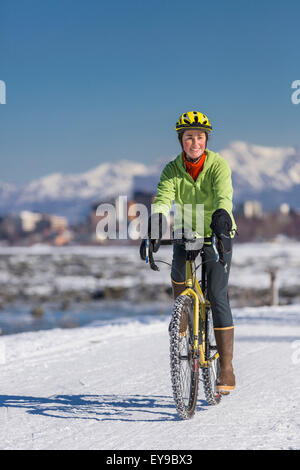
(29, 220)
(252, 209)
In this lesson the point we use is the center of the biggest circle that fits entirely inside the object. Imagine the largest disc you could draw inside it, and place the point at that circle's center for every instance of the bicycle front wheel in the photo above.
(183, 365)
(210, 374)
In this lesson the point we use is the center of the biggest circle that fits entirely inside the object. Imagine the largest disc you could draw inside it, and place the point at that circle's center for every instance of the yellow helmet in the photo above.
(193, 120)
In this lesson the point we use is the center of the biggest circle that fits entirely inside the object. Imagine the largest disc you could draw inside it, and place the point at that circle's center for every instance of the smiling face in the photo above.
(194, 143)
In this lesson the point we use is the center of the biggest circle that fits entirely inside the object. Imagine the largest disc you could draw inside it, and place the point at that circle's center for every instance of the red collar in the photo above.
(194, 168)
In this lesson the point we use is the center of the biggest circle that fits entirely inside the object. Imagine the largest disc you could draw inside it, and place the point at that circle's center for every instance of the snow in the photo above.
(254, 165)
(107, 386)
(107, 180)
(250, 265)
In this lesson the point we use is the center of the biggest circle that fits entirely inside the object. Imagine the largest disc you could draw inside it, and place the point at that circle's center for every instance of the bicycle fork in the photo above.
(200, 304)
(200, 343)
(198, 350)
(199, 334)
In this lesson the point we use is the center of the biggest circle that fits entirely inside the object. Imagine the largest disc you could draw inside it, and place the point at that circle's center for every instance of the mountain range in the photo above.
(270, 175)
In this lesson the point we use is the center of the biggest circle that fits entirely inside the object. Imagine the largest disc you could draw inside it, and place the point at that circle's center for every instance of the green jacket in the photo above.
(213, 189)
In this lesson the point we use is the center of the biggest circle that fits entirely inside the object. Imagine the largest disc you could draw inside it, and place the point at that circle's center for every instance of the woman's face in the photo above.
(194, 143)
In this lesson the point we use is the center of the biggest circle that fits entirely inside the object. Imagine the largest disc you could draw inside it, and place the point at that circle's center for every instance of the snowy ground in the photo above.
(40, 268)
(75, 284)
(107, 386)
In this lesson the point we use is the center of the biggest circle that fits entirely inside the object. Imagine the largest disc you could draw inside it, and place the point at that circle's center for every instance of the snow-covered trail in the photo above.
(108, 387)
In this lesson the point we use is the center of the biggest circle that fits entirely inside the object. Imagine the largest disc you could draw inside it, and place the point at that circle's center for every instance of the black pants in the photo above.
(217, 282)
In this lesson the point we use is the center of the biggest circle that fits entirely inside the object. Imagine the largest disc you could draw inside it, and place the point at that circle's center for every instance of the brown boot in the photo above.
(177, 288)
(224, 340)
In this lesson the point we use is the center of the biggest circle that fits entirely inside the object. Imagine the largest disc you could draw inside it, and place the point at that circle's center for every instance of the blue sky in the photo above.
(94, 81)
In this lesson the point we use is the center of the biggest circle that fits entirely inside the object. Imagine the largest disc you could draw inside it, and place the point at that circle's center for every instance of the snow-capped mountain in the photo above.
(102, 182)
(72, 194)
(270, 175)
(258, 166)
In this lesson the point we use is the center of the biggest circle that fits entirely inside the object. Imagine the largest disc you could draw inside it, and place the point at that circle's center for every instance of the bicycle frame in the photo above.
(194, 290)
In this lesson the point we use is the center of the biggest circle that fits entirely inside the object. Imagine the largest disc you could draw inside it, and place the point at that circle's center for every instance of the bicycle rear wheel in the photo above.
(210, 374)
(183, 366)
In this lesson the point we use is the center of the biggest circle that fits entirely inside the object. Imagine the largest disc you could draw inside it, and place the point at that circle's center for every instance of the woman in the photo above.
(200, 176)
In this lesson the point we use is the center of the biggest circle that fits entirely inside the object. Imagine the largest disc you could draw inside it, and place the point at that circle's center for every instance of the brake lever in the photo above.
(152, 264)
(219, 256)
(213, 241)
(149, 255)
(147, 249)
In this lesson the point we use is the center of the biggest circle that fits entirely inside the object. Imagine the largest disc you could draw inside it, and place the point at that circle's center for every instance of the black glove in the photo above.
(221, 225)
(157, 225)
(155, 248)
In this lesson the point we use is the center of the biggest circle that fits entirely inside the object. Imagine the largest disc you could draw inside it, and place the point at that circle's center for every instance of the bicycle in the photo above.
(195, 349)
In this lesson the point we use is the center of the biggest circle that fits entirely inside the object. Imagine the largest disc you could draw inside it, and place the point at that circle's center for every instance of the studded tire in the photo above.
(183, 367)
(210, 374)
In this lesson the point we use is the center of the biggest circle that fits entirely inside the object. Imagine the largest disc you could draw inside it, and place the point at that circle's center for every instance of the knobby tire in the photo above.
(183, 367)
(210, 374)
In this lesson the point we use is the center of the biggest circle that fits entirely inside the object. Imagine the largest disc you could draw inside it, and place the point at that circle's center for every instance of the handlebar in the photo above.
(184, 242)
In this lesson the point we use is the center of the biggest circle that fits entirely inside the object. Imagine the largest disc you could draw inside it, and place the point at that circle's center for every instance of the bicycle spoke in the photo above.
(210, 374)
(184, 377)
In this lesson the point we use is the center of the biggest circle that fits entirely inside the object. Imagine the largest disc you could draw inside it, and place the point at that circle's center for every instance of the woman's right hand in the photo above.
(155, 247)
(156, 227)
